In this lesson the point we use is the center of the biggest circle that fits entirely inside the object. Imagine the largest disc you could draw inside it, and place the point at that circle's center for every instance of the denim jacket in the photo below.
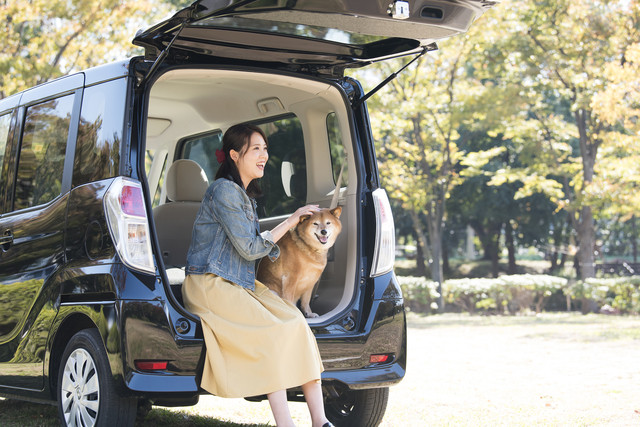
(226, 238)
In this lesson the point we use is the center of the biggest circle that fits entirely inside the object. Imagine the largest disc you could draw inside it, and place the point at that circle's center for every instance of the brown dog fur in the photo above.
(303, 257)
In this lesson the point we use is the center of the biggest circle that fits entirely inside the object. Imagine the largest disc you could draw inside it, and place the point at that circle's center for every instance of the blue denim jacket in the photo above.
(226, 238)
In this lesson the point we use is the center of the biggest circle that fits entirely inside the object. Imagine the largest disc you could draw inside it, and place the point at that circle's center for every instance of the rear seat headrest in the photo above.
(186, 181)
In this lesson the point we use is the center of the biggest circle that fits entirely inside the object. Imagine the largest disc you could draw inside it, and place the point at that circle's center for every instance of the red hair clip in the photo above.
(220, 156)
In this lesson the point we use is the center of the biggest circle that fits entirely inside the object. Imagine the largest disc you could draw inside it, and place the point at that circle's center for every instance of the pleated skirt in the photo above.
(256, 342)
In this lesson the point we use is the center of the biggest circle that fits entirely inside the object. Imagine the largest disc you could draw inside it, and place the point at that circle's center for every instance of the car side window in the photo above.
(100, 132)
(5, 122)
(42, 152)
(202, 150)
(284, 184)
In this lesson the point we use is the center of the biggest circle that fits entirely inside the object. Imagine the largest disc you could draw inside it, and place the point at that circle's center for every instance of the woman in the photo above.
(256, 342)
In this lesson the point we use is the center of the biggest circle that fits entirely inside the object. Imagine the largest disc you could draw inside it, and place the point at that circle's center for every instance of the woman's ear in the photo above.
(234, 155)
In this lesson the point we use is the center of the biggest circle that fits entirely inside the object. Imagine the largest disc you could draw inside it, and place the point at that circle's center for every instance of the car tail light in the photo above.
(379, 358)
(151, 365)
(128, 224)
(384, 254)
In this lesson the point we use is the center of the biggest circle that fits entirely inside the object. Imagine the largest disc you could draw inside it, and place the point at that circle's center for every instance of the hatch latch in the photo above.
(399, 9)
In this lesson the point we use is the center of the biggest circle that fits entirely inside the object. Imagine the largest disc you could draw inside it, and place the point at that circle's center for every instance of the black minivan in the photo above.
(102, 173)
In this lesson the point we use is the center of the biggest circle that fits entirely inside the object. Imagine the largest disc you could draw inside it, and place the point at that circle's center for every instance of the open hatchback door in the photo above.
(309, 34)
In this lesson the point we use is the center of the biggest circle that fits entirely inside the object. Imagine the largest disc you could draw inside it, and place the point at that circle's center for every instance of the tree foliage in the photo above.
(44, 39)
(561, 49)
(540, 100)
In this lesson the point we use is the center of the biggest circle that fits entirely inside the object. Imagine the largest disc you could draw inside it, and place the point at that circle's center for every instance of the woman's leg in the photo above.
(313, 395)
(280, 408)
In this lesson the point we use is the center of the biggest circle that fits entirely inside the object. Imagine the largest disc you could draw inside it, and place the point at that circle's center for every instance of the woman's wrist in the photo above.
(289, 223)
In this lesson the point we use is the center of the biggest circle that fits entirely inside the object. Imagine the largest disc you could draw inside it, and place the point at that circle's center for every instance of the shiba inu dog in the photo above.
(303, 257)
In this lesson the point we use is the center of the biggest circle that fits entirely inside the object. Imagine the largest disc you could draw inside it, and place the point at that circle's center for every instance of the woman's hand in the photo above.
(292, 221)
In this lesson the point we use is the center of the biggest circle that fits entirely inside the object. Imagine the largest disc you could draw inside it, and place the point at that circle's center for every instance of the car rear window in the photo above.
(292, 29)
(100, 132)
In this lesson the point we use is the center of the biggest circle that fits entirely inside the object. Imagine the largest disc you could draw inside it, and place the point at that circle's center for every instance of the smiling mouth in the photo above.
(322, 239)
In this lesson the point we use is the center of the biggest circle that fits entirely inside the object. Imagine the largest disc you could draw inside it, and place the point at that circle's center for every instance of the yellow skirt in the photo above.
(256, 342)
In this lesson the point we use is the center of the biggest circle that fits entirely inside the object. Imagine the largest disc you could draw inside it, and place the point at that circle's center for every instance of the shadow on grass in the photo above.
(16, 413)
(159, 417)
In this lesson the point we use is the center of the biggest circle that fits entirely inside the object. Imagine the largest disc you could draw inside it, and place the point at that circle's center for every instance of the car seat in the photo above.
(186, 183)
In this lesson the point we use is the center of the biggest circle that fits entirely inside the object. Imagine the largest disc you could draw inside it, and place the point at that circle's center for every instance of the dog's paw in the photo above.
(310, 315)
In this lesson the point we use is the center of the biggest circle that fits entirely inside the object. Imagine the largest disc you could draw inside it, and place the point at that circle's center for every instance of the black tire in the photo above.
(356, 408)
(86, 391)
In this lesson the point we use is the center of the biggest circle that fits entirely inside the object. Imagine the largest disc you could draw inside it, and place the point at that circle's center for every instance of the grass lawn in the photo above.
(552, 369)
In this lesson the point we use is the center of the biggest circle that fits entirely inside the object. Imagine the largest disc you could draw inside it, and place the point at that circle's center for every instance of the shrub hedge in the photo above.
(520, 293)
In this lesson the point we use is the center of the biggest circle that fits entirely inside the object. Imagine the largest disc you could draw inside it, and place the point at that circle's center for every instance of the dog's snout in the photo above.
(323, 232)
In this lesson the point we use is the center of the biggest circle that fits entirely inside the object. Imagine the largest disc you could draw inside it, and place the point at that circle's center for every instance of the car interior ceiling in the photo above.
(187, 102)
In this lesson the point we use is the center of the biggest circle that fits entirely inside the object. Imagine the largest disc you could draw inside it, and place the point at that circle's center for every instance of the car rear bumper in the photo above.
(371, 377)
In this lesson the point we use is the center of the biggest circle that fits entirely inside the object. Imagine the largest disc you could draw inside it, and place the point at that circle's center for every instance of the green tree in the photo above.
(44, 39)
(558, 52)
(416, 121)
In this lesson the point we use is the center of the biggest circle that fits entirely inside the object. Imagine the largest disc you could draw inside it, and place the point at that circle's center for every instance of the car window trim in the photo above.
(69, 157)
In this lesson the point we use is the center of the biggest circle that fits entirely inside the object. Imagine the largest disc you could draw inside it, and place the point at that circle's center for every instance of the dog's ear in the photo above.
(336, 211)
(303, 218)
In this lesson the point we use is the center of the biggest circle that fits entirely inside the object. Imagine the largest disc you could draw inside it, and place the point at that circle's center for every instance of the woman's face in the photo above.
(251, 163)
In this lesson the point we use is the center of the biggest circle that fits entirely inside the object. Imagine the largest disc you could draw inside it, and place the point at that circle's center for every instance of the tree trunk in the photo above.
(584, 224)
(563, 260)
(494, 247)
(435, 240)
(495, 260)
(446, 267)
(484, 240)
(586, 243)
(508, 231)
(554, 260)
(421, 269)
(421, 241)
(634, 239)
(436, 257)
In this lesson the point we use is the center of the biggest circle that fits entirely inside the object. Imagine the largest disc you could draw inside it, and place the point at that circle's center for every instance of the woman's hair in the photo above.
(238, 138)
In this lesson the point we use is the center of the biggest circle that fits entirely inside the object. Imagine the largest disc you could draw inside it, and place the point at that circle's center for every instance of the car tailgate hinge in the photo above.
(161, 57)
(360, 101)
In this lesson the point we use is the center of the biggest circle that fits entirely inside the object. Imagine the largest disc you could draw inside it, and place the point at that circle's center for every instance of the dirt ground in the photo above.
(548, 370)
(552, 370)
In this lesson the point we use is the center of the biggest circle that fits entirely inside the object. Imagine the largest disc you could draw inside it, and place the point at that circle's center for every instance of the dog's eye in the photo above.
(315, 223)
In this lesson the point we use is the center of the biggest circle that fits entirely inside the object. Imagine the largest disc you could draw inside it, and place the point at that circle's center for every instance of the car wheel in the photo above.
(86, 391)
(355, 408)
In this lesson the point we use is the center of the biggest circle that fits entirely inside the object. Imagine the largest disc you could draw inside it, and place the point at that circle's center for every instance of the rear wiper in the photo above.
(427, 48)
